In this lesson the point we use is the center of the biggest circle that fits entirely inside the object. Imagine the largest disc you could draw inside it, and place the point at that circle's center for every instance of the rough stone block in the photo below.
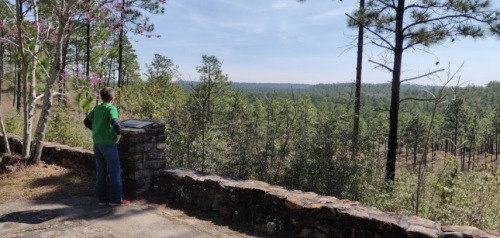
(157, 155)
(161, 146)
(133, 157)
(133, 165)
(155, 164)
(294, 203)
(420, 231)
(140, 174)
(141, 148)
(133, 131)
(452, 235)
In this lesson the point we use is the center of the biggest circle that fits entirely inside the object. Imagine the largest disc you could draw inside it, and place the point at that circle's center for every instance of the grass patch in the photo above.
(44, 181)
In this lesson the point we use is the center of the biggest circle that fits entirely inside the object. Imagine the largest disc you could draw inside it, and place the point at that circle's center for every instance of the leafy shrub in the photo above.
(64, 128)
(14, 124)
(449, 196)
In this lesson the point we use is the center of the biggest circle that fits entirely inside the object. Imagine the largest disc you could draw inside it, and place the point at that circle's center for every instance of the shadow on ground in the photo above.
(64, 203)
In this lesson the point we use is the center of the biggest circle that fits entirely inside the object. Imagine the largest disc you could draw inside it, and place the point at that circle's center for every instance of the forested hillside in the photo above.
(55, 58)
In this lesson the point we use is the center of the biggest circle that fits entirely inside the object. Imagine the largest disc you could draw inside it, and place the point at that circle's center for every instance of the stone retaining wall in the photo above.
(70, 157)
(277, 211)
(273, 210)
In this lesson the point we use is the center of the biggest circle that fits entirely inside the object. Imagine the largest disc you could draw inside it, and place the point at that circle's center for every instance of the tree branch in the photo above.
(417, 99)
(38, 98)
(421, 76)
(373, 32)
(381, 65)
(379, 45)
(467, 16)
(423, 7)
(29, 51)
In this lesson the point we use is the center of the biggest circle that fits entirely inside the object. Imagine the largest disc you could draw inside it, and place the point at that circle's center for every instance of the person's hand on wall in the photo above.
(118, 138)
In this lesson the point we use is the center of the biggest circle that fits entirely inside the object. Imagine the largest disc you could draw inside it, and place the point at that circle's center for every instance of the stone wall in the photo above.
(273, 210)
(142, 151)
(277, 211)
(70, 157)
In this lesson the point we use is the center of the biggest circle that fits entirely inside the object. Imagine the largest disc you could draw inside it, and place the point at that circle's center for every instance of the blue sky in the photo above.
(283, 41)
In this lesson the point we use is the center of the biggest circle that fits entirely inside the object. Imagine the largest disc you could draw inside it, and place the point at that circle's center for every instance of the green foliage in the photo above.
(14, 124)
(64, 128)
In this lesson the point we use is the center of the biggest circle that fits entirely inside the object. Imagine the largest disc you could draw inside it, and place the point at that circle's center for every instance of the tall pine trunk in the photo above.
(396, 83)
(120, 46)
(87, 64)
(2, 55)
(357, 94)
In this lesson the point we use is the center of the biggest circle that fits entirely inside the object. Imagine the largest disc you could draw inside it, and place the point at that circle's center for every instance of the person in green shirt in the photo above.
(106, 132)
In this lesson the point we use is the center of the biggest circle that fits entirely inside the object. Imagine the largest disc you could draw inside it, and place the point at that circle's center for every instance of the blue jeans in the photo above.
(107, 162)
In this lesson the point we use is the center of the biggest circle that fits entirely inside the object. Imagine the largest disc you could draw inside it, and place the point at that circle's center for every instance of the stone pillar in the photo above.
(142, 151)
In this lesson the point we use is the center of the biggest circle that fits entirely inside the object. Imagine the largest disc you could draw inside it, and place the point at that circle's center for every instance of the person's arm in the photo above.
(88, 122)
(116, 126)
(115, 122)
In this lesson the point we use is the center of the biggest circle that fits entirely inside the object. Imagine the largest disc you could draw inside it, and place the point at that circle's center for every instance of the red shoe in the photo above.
(120, 203)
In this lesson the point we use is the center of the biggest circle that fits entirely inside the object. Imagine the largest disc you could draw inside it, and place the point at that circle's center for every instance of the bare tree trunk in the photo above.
(27, 115)
(5, 138)
(406, 157)
(77, 62)
(496, 147)
(396, 83)
(120, 46)
(49, 88)
(109, 72)
(357, 94)
(15, 93)
(62, 81)
(19, 91)
(99, 86)
(415, 153)
(87, 64)
(2, 56)
(446, 149)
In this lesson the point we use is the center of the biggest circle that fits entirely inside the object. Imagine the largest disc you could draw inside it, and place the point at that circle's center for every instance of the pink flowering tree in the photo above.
(126, 15)
(43, 35)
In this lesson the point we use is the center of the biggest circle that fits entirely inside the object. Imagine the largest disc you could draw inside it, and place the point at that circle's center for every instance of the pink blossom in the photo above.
(94, 80)
(103, 46)
(111, 27)
(2, 24)
(87, 15)
(64, 76)
(148, 36)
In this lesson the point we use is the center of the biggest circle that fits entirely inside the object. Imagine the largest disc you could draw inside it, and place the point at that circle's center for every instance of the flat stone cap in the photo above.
(136, 123)
(139, 126)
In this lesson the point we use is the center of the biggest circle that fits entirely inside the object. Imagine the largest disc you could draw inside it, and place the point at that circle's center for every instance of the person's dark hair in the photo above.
(107, 94)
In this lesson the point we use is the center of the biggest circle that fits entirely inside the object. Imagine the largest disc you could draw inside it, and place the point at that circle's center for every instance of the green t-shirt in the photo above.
(102, 130)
